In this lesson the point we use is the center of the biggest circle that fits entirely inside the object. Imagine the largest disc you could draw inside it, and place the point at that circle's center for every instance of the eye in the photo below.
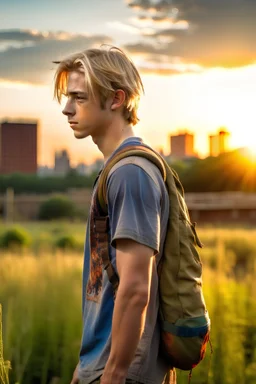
(80, 97)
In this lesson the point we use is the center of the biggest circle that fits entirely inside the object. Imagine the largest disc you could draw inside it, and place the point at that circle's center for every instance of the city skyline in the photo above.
(198, 65)
(214, 144)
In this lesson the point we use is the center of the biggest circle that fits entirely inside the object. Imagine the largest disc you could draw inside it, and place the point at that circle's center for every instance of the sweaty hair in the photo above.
(105, 70)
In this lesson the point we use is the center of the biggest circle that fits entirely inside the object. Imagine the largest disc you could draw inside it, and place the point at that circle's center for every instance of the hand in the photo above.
(111, 377)
(75, 379)
(103, 380)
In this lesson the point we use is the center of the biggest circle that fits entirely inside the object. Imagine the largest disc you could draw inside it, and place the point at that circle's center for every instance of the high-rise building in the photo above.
(182, 145)
(61, 163)
(218, 143)
(213, 145)
(223, 140)
(18, 147)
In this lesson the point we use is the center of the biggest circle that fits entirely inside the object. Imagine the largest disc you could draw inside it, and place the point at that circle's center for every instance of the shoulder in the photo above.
(130, 168)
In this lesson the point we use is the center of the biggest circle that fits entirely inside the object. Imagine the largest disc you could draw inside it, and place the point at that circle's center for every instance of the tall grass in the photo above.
(4, 365)
(229, 289)
(41, 297)
(45, 235)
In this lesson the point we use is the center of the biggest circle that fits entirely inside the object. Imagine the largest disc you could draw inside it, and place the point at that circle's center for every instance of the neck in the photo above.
(112, 138)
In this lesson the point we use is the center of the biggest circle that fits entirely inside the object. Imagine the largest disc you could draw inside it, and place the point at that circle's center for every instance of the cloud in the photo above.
(168, 36)
(147, 5)
(160, 22)
(153, 59)
(32, 62)
(20, 35)
(214, 33)
(123, 27)
(164, 67)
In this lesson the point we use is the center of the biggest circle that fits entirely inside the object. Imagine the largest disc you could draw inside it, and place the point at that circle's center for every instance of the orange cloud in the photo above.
(213, 33)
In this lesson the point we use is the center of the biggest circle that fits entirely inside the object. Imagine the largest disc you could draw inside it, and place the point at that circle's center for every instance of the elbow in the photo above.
(135, 294)
(141, 298)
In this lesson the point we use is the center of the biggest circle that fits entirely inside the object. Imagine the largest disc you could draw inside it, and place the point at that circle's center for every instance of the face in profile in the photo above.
(84, 112)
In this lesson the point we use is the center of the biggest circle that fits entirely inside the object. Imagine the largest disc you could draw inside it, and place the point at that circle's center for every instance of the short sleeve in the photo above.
(134, 206)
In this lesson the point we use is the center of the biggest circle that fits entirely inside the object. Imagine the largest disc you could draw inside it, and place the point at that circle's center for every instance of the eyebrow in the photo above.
(75, 93)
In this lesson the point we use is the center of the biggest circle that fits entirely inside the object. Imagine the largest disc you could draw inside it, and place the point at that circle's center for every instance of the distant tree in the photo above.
(57, 207)
(231, 171)
(15, 238)
(66, 242)
(22, 183)
(72, 173)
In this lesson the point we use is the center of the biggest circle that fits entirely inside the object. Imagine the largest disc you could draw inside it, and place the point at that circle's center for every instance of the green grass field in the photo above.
(40, 291)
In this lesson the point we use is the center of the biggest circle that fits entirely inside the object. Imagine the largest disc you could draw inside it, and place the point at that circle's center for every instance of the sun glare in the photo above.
(252, 151)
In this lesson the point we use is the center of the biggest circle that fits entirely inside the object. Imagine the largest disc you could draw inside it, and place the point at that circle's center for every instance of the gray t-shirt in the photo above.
(138, 207)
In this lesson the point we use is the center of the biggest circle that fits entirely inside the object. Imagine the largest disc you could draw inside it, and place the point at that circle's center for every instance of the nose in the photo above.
(68, 110)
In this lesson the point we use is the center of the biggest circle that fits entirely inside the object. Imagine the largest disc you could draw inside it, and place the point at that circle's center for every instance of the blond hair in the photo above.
(105, 70)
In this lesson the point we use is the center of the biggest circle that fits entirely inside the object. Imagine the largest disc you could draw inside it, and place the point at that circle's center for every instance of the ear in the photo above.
(118, 99)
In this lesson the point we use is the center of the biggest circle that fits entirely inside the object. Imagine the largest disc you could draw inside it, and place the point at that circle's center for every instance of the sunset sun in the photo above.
(252, 151)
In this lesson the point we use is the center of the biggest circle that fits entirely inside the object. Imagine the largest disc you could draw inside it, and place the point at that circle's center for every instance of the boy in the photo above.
(120, 341)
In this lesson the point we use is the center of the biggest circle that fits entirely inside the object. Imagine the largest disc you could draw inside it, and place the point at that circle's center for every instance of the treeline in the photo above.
(22, 183)
(232, 171)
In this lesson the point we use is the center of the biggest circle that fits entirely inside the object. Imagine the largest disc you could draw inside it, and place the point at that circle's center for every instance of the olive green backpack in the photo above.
(185, 324)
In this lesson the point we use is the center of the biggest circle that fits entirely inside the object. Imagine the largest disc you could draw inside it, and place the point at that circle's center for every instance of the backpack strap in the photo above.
(128, 151)
(102, 222)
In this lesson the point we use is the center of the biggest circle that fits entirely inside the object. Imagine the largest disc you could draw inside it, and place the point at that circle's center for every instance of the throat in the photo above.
(113, 143)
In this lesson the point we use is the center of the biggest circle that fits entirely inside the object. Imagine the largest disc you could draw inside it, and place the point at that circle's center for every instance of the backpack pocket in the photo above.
(194, 240)
(184, 343)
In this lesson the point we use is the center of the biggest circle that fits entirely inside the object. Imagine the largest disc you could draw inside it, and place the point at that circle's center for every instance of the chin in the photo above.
(80, 135)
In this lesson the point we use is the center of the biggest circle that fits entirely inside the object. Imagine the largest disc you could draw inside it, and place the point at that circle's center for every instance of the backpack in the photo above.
(184, 320)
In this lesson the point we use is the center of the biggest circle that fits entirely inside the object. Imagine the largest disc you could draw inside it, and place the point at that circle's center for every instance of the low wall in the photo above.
(26, 206)
(222, 207)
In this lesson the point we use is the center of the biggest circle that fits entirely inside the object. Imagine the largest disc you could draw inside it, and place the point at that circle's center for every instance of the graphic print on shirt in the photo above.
(94, 284)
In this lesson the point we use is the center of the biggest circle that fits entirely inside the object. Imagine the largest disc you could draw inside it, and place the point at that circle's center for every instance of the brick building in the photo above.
(18, 147)
(182, 145)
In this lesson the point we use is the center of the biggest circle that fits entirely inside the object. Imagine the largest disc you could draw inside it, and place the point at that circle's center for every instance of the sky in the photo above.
(197, 60)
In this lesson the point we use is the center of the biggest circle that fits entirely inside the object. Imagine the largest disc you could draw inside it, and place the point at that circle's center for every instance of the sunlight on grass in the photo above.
(41, 297)
(5, 366)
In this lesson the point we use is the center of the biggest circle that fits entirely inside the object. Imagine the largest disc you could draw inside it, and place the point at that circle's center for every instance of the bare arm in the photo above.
(75, 379)
(134, 265)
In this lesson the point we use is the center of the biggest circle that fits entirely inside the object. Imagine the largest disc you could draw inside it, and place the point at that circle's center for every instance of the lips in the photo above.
(72, 123)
